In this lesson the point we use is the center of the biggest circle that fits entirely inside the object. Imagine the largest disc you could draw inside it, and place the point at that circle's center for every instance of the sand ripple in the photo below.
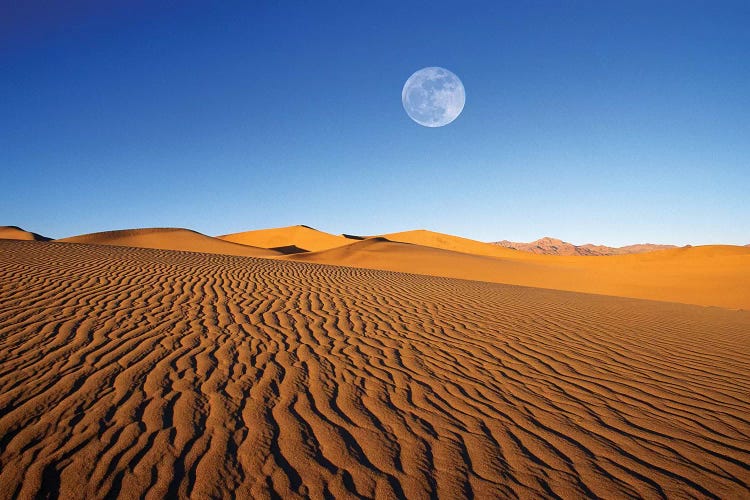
(152, 373)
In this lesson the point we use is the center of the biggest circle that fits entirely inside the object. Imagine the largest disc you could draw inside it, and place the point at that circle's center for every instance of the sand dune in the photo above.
(16, 233)
(708, 275)
(292, 239)
(170, 239)
(150, 373)
(449, 242)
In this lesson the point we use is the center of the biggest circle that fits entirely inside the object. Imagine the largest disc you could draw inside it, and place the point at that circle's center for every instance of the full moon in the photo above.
(433, 97)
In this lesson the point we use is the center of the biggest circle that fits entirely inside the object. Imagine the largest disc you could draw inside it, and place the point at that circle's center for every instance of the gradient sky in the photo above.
(603, 122)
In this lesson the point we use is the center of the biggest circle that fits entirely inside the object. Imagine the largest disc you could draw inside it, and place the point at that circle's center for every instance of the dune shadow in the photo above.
(290, 249)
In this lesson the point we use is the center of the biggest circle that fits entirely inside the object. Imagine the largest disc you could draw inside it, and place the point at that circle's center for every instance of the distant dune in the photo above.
(16, 233)
(449, 242)
(141, 373)
(170, 239)
(292, 239)
(554, 246)
(706, 275)
(381, 253)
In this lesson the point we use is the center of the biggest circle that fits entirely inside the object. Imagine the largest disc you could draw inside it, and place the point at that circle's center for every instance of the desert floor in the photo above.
(137, 372)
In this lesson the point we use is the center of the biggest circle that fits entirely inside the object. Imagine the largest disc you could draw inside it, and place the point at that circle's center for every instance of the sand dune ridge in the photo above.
(292, 239)
(169, 238)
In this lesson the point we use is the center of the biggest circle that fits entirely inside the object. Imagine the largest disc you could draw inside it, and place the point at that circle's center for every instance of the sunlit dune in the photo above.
(142, 373)
(292, 239)
(449, 242)
(170, 239)
(706, 275)
(716, 275)
(16, 233)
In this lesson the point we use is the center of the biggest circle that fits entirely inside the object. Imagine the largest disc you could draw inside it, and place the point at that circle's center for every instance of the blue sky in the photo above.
(603, 122)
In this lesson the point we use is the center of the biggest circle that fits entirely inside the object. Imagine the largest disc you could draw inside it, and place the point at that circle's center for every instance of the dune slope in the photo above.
(17, 233)
(150, 373)
(169, 239)
(709, 276)
(292, 239)
(443, 241)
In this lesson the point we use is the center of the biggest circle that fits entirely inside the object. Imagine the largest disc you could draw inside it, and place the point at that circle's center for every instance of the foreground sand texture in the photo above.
(143, 373)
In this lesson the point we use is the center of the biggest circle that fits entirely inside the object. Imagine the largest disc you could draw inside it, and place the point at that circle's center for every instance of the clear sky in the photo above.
(603, 122)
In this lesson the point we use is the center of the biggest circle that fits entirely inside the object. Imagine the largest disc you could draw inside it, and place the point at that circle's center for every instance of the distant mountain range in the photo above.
(554, 246)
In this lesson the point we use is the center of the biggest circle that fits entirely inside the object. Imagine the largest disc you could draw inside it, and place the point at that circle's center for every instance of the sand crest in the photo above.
(170, 239)
(16, 233)
(292, 239)
(443, 241)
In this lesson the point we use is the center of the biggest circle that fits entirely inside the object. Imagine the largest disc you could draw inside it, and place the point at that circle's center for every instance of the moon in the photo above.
(433, 97)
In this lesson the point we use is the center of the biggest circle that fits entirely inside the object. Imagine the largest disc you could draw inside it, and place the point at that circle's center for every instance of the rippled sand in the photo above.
(137, 372)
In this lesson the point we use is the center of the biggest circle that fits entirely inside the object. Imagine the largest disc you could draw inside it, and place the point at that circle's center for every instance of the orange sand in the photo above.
(16, 233)
(145, 373)
(169, 239)
(453, 243)
(707, 275)
(292, 239)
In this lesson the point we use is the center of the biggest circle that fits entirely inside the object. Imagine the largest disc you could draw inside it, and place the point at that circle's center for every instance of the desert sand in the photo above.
(151, 372)
(180, 239)
(289, 240)
(443, 241)
(144, 373)
(717, 275)
(17, 233)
